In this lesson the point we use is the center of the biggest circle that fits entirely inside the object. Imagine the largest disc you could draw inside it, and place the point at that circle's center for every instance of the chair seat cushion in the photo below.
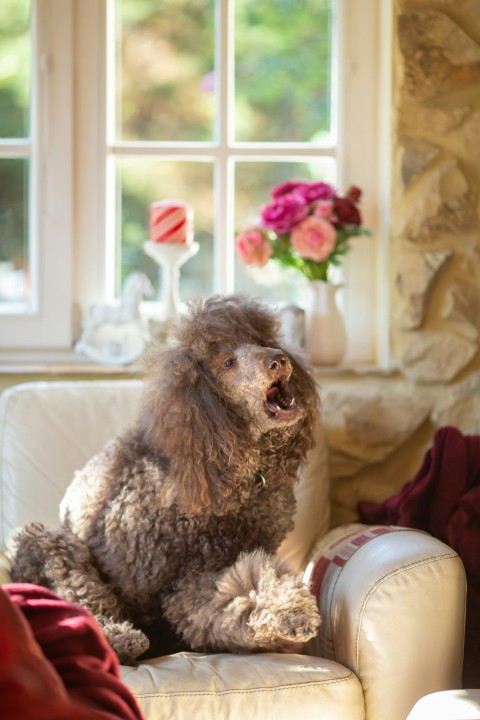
(267, 685)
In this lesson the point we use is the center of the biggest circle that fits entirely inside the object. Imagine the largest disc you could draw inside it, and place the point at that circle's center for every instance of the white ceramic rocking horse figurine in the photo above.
(137, 286)
(115, 334)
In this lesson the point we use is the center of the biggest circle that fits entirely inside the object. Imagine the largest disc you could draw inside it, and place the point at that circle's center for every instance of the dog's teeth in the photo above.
(277, 401)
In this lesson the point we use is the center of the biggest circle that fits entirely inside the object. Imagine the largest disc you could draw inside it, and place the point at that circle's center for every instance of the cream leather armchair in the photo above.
(392, 599)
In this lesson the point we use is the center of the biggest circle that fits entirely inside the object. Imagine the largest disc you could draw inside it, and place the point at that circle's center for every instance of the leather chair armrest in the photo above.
(393, 607)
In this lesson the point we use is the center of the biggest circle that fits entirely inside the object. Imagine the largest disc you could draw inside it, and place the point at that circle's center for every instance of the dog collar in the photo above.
(259, 480)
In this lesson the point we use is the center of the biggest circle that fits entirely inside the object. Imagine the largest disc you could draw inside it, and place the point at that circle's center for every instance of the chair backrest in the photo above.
(50, 429)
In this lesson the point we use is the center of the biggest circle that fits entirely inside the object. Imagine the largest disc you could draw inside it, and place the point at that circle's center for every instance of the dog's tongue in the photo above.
(276, 401)
(273, 395)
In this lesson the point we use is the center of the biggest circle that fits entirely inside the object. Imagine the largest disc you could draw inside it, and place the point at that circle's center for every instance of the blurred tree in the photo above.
(282, 54)
(166, 55)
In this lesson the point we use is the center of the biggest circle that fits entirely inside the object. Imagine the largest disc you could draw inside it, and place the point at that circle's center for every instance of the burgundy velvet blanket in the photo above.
(444, 499)
(55, 663)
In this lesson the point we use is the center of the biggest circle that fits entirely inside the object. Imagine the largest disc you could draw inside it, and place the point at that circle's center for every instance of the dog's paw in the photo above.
(126, 641)
(287, 612)
(297, 625)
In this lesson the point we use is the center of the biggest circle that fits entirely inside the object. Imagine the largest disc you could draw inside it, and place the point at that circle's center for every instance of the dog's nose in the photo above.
(276, 361)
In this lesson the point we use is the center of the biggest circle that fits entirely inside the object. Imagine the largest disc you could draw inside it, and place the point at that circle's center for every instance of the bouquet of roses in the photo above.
(306, 226)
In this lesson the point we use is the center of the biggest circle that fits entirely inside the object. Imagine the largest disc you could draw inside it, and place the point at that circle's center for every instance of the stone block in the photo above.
(365, 427)
(434, 357)
(445, 206)
(431, 122)
(438, 55)
(417, 155)
(463, 307)
(460, 406)
(416, 272)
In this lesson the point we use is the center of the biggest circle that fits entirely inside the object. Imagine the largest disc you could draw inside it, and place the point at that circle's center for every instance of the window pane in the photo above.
(283, 70)
(253, 183)
(14, 68)
(143, 181)
(14, 270)
(165, 61)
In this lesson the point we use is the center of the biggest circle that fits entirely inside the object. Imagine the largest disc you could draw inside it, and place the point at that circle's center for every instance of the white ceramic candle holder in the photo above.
(170, 257)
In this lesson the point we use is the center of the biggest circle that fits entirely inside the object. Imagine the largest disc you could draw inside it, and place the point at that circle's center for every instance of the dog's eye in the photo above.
(229, 362)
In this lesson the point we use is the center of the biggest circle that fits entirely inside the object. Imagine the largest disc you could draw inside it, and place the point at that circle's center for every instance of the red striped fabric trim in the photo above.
(327, 568)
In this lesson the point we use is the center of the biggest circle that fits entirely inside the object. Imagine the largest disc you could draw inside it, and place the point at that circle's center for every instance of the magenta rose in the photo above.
(316, 191)
(314, 238)
(284, 213)
(285, 188)
(253, 247)
(347, 212)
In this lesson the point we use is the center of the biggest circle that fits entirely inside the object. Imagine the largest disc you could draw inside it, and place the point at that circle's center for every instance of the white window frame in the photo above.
(46, 321)
(362, 158)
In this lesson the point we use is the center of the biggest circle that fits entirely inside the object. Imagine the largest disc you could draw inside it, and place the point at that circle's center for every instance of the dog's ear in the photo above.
(184, 419)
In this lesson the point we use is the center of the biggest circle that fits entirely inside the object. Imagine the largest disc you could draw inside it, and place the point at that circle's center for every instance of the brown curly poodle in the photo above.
(169, 533)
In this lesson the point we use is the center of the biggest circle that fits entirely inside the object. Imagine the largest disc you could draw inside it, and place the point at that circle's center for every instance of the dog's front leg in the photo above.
(257, 603)
(58, 560)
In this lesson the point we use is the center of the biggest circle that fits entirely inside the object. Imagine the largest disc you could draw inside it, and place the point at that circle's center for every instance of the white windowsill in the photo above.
(71, 363)
(61, 363)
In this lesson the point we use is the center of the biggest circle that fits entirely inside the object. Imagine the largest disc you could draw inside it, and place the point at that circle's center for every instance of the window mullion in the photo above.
(54, 171)
(15, 148)
(90, 216)
(223, 260)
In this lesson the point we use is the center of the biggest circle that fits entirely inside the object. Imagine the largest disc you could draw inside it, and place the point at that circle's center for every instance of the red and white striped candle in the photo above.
(171, 221)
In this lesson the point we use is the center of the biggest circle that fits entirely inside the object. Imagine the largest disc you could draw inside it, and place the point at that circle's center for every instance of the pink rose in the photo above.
(316, 191)
(324, 208)
(283, 213)
(314, 238)
(253, 247)
(285, 188)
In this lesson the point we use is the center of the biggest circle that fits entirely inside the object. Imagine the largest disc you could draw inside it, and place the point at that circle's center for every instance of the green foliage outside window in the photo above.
(14, 125)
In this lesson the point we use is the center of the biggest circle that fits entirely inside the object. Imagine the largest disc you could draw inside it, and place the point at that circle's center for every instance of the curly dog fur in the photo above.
(178, 519)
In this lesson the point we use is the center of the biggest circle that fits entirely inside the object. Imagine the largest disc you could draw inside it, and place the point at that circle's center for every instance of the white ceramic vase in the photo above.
(325, 336)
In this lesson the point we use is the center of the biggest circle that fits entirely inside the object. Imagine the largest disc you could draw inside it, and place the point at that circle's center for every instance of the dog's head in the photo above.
(227, 381)
(234, 341)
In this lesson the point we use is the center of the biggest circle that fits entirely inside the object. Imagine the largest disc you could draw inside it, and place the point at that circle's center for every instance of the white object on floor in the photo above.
(448, 705)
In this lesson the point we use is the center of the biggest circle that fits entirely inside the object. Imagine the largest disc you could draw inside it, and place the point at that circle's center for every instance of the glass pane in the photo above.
(141, 181)
(283, 70)
(253, 184)
(14, 267)
(14, 68)
(165, 62)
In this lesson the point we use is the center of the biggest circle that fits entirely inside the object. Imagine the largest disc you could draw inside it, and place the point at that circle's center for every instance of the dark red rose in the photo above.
(346, 212)
(354, 193)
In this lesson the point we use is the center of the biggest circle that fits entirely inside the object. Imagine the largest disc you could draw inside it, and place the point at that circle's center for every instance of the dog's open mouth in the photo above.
(278, 399)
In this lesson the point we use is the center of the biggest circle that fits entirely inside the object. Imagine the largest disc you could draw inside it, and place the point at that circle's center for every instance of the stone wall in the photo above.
(379, 428)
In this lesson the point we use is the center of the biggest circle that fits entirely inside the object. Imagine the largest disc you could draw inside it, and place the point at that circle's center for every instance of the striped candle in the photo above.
(171, 221)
